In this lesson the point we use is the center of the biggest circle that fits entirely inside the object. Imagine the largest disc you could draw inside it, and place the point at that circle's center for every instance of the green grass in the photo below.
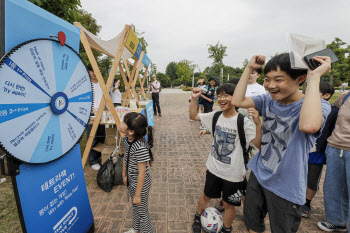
(334, 97)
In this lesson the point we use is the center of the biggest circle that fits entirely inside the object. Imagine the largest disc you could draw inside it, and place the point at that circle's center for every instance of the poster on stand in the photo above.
(150, 116)
(58, 200)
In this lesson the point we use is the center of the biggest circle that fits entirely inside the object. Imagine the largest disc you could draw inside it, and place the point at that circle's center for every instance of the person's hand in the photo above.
(137, 200)
(196, 92)
(255, 115)
(256, 62)
(210, 100)
(125, 179)
(323, 69)
(202, 132)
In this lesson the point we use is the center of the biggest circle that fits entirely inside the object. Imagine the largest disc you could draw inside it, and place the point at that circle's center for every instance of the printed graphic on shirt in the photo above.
(224, 144)
(277, 133)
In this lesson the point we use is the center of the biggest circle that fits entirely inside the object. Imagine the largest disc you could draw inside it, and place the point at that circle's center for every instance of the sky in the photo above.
(183, 29)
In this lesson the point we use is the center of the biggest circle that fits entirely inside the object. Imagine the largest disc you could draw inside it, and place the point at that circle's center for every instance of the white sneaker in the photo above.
(131, 230)
(96, 167)
(2, 180)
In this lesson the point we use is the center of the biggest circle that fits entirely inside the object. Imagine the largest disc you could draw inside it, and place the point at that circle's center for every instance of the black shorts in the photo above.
(284, 215)
(314, 176)
(231, 191)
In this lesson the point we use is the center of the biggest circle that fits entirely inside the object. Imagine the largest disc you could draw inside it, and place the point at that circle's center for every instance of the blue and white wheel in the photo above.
(45, 100)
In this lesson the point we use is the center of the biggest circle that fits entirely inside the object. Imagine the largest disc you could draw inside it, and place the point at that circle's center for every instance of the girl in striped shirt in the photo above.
(135, 170)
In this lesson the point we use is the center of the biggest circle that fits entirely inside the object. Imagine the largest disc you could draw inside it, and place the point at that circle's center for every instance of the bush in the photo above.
(186, 88)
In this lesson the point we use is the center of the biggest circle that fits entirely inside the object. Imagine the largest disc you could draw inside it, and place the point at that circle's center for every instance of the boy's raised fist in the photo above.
(256, 61)
(323, 69)
(196, 92)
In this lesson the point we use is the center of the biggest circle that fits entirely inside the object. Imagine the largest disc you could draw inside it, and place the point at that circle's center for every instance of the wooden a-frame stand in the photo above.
(104, 87)
(130, 92)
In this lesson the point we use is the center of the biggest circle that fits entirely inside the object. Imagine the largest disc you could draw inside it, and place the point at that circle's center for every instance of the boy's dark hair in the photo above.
(233, 81)
(326, 87)
(228, 88)
(259, 70)
(138, 122)
(283, 62)
(89, 67)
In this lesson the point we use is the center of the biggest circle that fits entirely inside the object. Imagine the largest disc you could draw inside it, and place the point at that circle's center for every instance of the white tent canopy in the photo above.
(108, 47)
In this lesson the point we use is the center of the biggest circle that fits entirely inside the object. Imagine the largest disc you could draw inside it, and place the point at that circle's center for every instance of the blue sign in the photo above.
(145, 60)
(54, 196)
(34, 23)
(150, 116)
(138, 51)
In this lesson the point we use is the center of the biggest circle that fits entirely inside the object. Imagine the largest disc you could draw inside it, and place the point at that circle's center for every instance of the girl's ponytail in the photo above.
(150, 141)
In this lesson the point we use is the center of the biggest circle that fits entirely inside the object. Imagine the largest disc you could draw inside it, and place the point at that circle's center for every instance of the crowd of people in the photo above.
(299, 133)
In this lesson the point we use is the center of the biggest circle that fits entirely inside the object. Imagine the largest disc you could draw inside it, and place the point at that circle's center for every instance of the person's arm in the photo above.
(238, 98)
(255, 115)
(140, 181)
(311, 111)
(206, 98)
(196, 92)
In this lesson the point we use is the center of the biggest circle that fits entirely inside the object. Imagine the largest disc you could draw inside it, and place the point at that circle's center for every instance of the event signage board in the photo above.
(146, 60)
(25, 21)
(138, 51)
(150, 116)
(132, 42)
(54, 197)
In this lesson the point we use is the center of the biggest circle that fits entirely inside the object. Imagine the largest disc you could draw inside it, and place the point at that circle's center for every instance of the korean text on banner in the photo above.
(146, 60)
(132, 42)
(138, 51)
(150, 117)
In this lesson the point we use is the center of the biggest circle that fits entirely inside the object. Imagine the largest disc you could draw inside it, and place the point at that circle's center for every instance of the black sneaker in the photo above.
(223, 230)
(220, 206)
(305, 211)
(326, 226)
(196, 226)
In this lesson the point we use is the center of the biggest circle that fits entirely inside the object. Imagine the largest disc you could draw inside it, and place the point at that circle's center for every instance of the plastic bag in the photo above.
(301, 46)
(118, 171)
(105, 176)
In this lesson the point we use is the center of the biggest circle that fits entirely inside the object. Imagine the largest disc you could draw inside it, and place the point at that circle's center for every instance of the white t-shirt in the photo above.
(157, 85)
(225, 158)
(97, 94)
(254, 90)
(116, 96)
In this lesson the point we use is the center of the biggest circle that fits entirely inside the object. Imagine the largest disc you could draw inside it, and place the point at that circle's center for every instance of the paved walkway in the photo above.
(178, 174)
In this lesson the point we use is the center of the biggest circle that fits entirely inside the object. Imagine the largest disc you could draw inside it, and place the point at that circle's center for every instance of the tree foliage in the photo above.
(218, 52)
(184, 71)
(64, 9)
(163, 79)
(340, 70)
(170, 70)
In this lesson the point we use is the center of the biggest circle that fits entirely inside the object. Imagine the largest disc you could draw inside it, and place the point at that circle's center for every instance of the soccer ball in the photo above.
(211, 220)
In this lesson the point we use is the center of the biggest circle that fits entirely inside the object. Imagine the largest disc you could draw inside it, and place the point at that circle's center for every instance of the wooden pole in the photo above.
(105, 90)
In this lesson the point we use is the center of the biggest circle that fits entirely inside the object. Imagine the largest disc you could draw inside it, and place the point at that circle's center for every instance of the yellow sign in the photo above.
(132, 42)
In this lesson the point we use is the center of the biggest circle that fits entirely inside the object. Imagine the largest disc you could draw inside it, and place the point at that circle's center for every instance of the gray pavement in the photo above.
(178, 174)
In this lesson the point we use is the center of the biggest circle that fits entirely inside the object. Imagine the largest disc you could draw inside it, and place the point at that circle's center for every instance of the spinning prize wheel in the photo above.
(45, 100)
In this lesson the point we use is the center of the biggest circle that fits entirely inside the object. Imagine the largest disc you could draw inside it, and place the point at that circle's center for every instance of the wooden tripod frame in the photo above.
(104, 87)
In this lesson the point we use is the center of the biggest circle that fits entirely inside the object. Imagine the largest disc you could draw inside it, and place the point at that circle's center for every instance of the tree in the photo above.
(340, 70)
(170, 70)
(163, 79)
(184, 71)
(153, 69)
(64, 9)
(217, 52)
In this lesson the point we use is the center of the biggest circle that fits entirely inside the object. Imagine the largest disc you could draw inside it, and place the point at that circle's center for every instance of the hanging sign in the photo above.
(132, 42)
(146, 60)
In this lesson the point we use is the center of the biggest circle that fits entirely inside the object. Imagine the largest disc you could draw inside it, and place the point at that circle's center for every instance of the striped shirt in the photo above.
(135, 152)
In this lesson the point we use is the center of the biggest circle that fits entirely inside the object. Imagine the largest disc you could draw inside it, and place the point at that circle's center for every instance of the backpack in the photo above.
(241, 133)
